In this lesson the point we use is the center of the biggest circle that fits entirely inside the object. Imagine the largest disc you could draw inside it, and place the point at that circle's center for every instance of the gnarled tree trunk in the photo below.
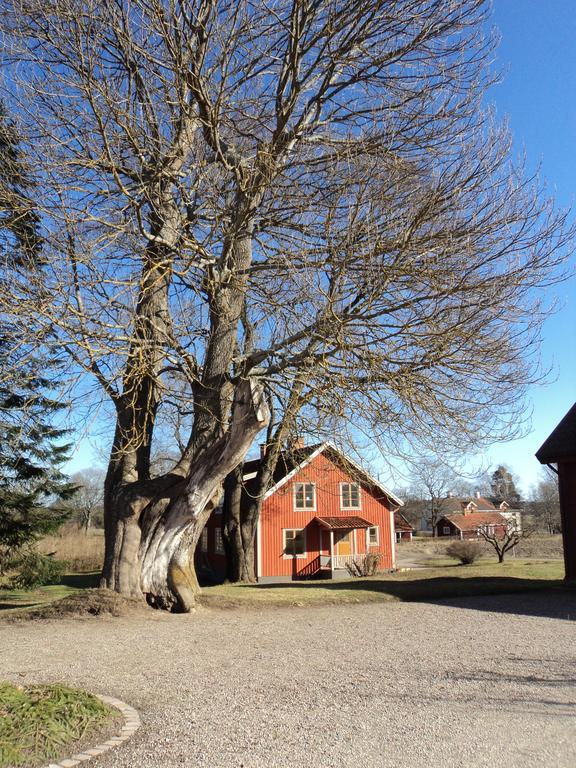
(154, 535)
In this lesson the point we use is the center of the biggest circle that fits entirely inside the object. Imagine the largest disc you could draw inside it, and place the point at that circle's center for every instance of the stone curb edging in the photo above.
(131, 725)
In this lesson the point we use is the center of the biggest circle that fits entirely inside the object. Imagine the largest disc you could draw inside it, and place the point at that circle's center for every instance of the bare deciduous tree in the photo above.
(88, 501)
(544, 506)
(237, 192)
(432, 481)
(503, 538)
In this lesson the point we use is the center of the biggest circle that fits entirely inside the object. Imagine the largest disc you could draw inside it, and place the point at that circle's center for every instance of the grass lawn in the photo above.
(483, 578)
(447, 579)
(21, 599)
(43, 723)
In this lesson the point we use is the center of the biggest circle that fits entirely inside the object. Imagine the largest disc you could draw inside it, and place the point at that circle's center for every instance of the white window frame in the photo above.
(488, 528)
(286, 555)
(204, 540)
(446, 530)
(218, 542)
(351, 506)
(370, 543)
(295, 493)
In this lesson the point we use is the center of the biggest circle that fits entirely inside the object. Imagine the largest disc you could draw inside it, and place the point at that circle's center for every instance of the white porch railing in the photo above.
(341, 561)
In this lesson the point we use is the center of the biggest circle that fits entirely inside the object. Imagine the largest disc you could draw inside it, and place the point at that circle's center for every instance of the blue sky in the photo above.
(537, 57)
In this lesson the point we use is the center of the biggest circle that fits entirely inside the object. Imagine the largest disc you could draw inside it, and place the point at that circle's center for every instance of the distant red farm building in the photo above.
(404, 531)
(469, 524)
(322, 512)
(465, 516)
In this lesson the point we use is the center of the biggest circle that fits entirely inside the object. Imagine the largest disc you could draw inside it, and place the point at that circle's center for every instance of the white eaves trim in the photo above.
(321, 448)
(295, 471)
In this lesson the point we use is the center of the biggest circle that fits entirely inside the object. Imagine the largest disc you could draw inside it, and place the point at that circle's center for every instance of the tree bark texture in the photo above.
(238, 530)
(154, 532)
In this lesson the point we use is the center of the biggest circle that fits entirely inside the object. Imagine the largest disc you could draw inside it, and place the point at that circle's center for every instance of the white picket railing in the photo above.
(341, 561)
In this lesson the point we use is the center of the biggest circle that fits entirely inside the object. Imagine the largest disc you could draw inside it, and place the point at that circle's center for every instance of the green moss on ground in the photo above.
(42, 723)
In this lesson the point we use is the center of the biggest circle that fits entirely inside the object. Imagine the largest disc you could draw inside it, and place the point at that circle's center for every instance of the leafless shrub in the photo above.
(368, 565)
(466, 551)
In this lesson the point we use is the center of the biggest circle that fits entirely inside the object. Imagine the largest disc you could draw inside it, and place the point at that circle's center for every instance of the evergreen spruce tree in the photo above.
(31, 452)
(30, 479)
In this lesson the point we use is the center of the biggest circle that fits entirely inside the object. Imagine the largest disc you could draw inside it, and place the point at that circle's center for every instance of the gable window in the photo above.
(294, 542)
(372, 536)
(446, 530)
(350, 495)
(218, 543)
(204, 540)
(304, 496)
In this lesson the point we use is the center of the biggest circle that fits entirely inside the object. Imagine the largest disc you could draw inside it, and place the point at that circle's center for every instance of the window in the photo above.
(204, 540)
(304, 496)
(294, 542)
(446, 530)
(372, 538)
(489, 530)
(350, 495)
(218, 543)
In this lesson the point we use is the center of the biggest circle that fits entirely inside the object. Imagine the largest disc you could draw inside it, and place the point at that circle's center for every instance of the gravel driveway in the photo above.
(475, 682)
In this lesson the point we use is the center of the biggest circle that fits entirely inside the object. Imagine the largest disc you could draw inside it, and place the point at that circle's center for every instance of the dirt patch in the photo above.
(88, 602)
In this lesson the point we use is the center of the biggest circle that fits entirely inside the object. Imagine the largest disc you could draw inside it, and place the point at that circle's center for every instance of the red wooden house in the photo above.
(404, 530)
(466, 516)
(560, 449)
(321, 512)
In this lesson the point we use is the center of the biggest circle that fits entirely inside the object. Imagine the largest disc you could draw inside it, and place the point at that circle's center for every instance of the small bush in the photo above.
(34, 569)
(365, 566)
(465, 551)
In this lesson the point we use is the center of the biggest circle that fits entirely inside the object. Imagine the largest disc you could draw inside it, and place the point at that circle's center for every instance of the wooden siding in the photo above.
(567, 491)
(278, 514)
(446, 523)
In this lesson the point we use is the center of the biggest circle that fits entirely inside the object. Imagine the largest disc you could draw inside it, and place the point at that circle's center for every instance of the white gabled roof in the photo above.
(321, 448)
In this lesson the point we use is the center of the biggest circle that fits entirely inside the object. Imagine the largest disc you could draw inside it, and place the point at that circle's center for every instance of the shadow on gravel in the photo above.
(556, 603)
(553, 673)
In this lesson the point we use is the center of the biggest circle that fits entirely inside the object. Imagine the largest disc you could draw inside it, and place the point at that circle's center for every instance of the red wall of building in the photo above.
(567, 490)
(278, 513)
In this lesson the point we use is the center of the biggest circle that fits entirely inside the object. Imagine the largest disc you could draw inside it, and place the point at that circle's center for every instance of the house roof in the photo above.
(291, 462)
(453, 504)
(474, 520)
(339, 523)
(561, 443)
(401, 524)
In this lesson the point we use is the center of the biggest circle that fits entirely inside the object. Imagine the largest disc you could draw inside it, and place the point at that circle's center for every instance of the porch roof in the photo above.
(346, 523)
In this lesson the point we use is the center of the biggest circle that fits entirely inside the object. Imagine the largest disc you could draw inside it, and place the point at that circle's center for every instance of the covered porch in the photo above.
(340, 543)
